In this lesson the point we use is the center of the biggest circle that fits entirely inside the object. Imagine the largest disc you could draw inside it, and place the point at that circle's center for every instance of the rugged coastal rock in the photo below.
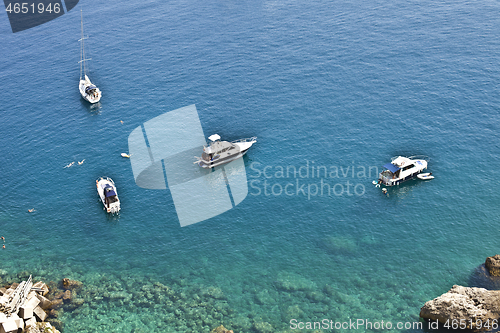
(493, 265)
(21, 308)
(475, 305)
(42, 308)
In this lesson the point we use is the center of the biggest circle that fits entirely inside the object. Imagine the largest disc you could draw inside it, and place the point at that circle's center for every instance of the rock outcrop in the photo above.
(71, 284)
(21, 308)
(493, 265)
(474, 305)
(481, 278)
(221, 329)
(41, 328)
(42, 306)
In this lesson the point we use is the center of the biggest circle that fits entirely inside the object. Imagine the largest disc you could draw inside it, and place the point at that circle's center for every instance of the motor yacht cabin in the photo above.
(402, 169)
(222, 152)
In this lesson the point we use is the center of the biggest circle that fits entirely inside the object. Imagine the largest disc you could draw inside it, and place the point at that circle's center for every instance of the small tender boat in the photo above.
(107, 192)
(425, 176)
(222, 152)
(88, 90)
(125, 155)
(402, 169)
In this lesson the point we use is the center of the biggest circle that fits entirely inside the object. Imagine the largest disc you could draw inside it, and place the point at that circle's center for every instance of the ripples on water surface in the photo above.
(344, 84)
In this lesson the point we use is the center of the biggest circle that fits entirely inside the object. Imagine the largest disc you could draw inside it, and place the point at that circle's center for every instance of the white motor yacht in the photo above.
(222, 152)
(402, 169)
(107, 192)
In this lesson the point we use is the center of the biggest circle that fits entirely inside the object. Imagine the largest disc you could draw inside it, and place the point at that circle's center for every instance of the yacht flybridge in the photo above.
(221, 152)
(402, 169)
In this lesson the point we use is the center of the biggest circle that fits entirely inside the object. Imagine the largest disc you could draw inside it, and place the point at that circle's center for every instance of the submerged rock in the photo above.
(221, 329)
(66, 296)
(293, 282)
(42, 327)
(340, 245)
(493, 265)
(56, 304)
(213, 292)
(474, 305)
(59, 325)
(71, 284)
(481, 278)
(263, 327)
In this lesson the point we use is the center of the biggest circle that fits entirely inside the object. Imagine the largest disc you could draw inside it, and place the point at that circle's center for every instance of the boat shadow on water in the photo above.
(114, 218)
(403, 190)
(93, 109)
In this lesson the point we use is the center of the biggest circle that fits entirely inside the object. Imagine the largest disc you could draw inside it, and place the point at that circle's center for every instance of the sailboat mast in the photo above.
(83, 49)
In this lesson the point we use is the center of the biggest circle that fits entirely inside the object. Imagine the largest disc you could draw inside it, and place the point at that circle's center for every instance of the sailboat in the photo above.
(88, 90)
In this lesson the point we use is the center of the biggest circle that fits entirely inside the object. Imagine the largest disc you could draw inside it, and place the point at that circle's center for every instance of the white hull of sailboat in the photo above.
(93, 97)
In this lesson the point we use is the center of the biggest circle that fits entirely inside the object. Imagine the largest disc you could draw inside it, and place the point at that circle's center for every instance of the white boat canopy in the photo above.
(214, 137)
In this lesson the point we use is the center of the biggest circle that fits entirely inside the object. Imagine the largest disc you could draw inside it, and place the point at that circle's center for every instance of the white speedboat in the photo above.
(222, 152)
(107, 192)
(425, 176)
(402, 169)
(88, 90)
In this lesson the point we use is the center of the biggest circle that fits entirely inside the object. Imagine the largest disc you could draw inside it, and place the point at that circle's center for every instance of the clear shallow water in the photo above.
(340, 84)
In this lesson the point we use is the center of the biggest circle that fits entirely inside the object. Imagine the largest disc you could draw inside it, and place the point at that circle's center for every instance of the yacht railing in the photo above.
(415, 157)
(253, 138)
(420, 157)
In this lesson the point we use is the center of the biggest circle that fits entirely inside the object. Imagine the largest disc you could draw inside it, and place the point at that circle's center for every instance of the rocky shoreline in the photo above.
(47, 302)
(471, 308)
(41, 308)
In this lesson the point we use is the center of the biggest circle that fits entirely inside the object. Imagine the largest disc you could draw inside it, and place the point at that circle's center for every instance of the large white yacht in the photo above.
(107, 192)
(402, 169)
(221, 152)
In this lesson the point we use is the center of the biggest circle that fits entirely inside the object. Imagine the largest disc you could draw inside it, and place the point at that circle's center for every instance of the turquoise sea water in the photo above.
(339, 85)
